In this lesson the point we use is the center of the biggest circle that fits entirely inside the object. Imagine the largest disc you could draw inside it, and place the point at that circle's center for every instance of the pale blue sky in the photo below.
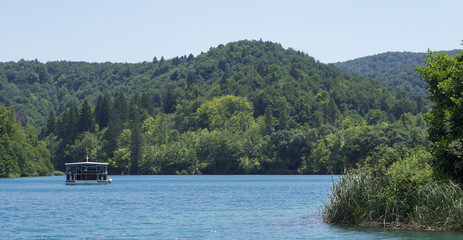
(136, 31)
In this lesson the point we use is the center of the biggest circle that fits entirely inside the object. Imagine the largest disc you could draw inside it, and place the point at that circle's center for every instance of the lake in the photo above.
(178, 207)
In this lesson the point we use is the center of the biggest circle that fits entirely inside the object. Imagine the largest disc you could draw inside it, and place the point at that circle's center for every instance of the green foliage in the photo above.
(136, 141)
(21, 152)
(227, 112)
(102, 109)
(85, 122)
(444, 75)
(245, 107)
(410, 171)
(261, 71)
(397, 188)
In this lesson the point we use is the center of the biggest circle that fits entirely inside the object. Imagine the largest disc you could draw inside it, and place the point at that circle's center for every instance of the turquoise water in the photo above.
(178, 207)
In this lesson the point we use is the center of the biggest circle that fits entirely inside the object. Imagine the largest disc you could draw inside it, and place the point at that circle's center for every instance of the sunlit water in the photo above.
(178, 207)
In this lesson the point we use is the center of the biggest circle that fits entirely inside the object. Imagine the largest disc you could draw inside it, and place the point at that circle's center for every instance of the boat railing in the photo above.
(98, 173)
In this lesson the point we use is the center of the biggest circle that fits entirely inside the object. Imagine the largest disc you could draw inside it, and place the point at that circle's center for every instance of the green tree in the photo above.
(85, 145)
(170, 100)
(51, 123)
(331, 112)
(68, 125)
(111, 135)
(444, 75)
(136, 141)
(121, 158)
(102, 111)
(37, 156)
(283, 120)
(226, 112)
(21, 152)
(120, 106)
(269, 127)
(9, 144)
(156, 130)
(86, 123)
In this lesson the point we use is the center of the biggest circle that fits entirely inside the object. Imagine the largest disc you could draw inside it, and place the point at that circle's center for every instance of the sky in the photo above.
(137, 30)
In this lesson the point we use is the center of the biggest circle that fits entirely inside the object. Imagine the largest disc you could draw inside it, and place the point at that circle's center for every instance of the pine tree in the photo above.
(111, 134)
(170, 101)
(147, 103)
(120, 106)
(283, 123)
(51, 124)
(68, 125)
(136, 143)
(317, 119)
(86, 122)
(190, 57)
(268, 120)
(332, 111)
(102, 111)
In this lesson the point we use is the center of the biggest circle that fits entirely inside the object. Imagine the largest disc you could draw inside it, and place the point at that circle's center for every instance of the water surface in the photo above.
(178, 207)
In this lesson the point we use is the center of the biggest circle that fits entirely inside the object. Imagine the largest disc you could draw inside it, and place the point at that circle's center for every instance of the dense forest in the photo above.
(247, 107)
(397, 69)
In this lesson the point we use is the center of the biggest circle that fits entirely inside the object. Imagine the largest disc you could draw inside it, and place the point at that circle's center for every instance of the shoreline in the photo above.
(398, 226)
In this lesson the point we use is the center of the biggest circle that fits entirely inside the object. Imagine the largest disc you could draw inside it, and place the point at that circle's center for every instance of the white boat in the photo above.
(87, 173)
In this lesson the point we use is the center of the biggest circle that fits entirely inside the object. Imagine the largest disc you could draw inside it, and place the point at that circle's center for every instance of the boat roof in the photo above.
(86, 163)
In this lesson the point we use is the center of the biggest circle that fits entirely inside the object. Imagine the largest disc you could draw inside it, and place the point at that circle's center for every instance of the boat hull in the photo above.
(87, 182)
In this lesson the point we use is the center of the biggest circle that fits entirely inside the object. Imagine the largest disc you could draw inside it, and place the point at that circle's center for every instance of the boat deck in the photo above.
(87, 173)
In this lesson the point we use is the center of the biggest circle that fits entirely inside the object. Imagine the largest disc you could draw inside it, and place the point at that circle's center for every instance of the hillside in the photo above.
(397, 69)
(243, 107)
(36, 88)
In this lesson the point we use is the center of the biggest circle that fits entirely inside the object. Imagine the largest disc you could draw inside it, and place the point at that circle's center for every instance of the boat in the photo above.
(87, 173)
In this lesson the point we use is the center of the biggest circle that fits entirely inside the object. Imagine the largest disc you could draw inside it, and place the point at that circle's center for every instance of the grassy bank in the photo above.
(397, 191)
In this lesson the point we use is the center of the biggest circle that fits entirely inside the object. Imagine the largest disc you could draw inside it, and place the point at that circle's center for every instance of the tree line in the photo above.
(222, 136)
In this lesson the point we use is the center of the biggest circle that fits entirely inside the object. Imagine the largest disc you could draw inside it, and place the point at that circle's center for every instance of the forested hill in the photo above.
(397, 69)
(243, 107)
(242, 68)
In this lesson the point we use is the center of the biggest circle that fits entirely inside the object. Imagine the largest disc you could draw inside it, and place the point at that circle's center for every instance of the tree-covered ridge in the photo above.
(245, 68)
(244, 107)
(397, 69)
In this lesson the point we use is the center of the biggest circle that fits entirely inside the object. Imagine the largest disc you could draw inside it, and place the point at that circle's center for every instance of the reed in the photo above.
(363, 197)
(355, 199)
(438, 205)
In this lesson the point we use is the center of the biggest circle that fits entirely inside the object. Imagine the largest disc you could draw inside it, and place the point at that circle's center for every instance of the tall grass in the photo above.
(438, 205)
(366, 198)
(355, 199)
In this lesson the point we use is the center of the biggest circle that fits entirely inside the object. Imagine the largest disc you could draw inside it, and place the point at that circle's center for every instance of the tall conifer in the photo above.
(86, 122)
